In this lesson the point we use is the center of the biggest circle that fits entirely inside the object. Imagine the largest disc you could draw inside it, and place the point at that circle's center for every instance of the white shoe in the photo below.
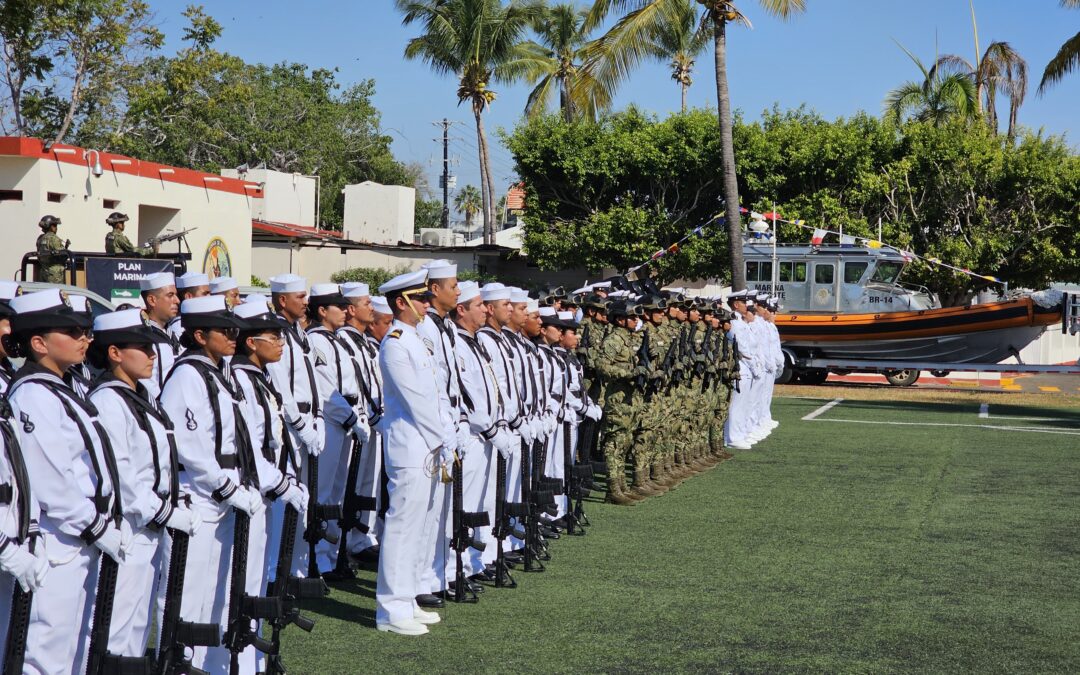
(425, 617)
(403, 627)
(773, 424)
(738, 446)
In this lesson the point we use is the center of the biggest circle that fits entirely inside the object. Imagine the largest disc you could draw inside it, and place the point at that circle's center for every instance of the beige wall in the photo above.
(152, 204)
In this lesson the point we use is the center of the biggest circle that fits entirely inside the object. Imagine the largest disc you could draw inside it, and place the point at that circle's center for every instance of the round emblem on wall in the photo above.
(216, 262)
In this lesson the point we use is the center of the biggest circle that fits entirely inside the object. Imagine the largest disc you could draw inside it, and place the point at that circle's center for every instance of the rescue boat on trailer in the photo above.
(848, 302)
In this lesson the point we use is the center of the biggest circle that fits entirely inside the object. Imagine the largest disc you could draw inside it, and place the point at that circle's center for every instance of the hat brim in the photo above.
(331, 300)
(219, 319)
(135, 335)
(261, 322)
(65, 317)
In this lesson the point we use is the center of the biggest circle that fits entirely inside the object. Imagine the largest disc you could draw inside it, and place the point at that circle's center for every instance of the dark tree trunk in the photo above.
(727, 158)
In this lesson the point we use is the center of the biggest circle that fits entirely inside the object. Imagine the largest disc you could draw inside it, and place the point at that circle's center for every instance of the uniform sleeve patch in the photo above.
(192, 424)
(396, 333)
(27, 425)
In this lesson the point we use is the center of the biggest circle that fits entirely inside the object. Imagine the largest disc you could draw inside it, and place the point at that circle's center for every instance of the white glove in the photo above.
(127, 536)
(360, 429)
(184, 520)
(246, 500)
(449, 437)
(551, 423)
(464, 438)
(296, 497)
(303, 489)
(257, 503)
(506, 443)
(311, 437)
(446, 456)
(21, 564)
(593, 412)
(112, 542)
(526, 431)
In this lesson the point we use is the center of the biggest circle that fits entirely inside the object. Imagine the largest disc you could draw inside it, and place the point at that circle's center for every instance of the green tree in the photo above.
(65, 58)
(629, 41)
(943, 94)
(468, 203)
(680, 42)
(1000, 70)
(480, 42)
(610, 193)
(429, 213)
(210, 110)
(1067, 58)
(555, 66)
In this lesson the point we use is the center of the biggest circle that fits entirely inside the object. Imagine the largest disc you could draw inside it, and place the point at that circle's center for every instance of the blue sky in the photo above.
(837, 58)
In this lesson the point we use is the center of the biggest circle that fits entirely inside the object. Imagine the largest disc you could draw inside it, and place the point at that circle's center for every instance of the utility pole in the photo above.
(444, 181)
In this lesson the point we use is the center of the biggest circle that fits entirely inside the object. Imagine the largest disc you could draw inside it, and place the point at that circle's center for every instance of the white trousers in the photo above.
(58, 638)
(333, 471)
(251, 658)
(206, 584)
(474, 466)
(736, 427)
(404, 550)
(486, 534)
(433, 579)
(136, 593)
(369, 484)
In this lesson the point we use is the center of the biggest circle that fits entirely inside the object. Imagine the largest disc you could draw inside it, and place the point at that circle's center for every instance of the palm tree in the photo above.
(479, 42)
(556, 66)
(629, 41)
(1000, 70)
(1067, 58)
(680, 42)
(468, 202)
(944, 93)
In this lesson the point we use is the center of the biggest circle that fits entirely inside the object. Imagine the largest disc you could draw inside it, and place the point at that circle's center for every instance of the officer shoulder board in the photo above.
(396, 333)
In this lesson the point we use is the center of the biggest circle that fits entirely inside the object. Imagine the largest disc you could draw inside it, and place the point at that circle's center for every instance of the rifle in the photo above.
(690, 353)
(155, 242)
(463, 524)
(705, 364)
(100, 660)
(20, 622)
(502, 526)
(245, 609)
(289, 590)
(532, 533)
(351, 507)
(176, 634)
(644, 365)
(319, 515)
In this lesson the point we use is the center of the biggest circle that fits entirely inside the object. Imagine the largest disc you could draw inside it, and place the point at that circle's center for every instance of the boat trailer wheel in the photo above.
(901, 378)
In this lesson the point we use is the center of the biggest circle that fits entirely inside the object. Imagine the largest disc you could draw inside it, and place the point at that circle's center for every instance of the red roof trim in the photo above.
(22, 146)
(290, 230)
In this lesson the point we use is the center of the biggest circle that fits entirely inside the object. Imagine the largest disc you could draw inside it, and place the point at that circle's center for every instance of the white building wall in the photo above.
(379, 214)
(287, 197)
(154, 201)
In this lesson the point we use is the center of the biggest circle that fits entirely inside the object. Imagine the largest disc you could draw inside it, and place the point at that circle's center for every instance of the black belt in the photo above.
(6, 493)
(353, 400)
(304, 408)
(224, 461)
(453, 401)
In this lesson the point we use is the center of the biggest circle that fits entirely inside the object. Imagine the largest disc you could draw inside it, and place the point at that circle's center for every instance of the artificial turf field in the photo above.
(946, 543)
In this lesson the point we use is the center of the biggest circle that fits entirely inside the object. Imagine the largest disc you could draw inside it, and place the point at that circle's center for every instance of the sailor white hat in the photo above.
(380, 304)
(518, 295)
(192, 280)
(494, 291)
(222, 284)
(440, 269)
(79, 303)
(288, 283)
(533, 306)
(469, 290)
(256, 300)
(209, 311)
(355, 289)
(152, 282)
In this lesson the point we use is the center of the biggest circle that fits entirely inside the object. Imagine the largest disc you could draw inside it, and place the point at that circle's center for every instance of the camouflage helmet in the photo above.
(553, 293)
(48, 221)
(116, 217)
(653, 303)
(594, 301)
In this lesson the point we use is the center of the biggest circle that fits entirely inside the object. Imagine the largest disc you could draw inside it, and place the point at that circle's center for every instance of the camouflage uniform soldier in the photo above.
(649, 475)
(622, 402)
(697, 397)
(51, 251)
(725, 363)
(117, 243)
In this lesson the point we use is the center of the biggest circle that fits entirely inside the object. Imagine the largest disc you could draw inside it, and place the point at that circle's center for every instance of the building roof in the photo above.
(294, 231)
(34, 148)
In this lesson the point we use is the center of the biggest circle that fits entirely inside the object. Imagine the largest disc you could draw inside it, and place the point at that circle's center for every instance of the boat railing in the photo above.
(915, 288)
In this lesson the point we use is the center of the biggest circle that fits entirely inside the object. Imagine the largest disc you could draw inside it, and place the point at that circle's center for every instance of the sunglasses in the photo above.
(276, 339)
(230, 333)
(75, 333)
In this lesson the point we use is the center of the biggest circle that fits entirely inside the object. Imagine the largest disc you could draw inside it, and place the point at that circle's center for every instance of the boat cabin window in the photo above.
(853, 271)
(758, 271)
(823, 273)
(793, 272)
(886, 272)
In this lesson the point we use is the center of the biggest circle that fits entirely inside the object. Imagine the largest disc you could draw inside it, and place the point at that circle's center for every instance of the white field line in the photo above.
(823, 409)
(949, 424)
(984, 411)
(1032, 419)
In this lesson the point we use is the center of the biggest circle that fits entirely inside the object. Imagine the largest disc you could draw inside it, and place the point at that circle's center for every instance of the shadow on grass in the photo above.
(998, 412)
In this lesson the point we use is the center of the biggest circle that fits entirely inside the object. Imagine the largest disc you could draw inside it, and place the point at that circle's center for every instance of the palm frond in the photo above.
(1063, 63)
(541, 95)
(903, 99)
(783, 9)
(611, 58)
